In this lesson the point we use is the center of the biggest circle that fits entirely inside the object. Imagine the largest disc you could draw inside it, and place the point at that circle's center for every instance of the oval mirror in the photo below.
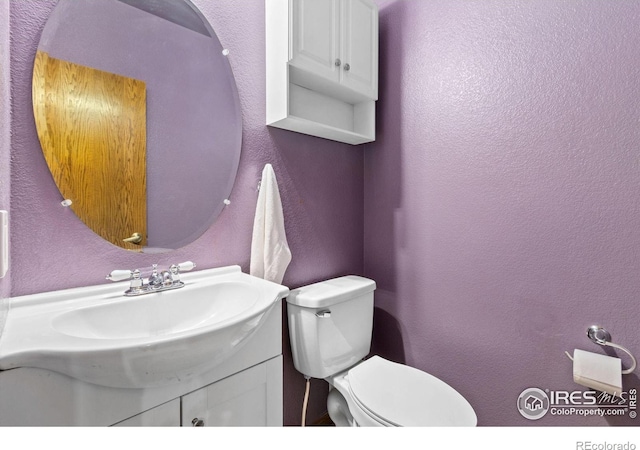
(138, 117)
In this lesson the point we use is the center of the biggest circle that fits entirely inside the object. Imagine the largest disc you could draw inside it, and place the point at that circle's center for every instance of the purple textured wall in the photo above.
(5, 143)
(321, 184)
(502, 214)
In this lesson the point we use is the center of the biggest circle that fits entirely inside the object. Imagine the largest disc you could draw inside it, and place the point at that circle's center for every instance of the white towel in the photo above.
(270, 254)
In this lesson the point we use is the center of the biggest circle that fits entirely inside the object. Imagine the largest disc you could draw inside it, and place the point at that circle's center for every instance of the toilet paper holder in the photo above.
(602, 337)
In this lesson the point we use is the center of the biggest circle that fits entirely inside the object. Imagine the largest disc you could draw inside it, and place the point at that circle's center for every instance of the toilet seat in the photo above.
(398, 395)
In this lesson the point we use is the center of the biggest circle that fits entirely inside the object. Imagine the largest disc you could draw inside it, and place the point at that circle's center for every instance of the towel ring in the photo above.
(602, 337)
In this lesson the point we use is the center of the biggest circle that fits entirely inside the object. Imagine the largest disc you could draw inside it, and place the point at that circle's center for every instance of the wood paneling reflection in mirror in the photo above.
(92, 128)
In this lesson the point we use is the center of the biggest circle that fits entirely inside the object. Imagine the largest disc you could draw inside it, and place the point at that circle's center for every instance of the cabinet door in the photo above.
(252, 398)
(315, 37)
(360, 47)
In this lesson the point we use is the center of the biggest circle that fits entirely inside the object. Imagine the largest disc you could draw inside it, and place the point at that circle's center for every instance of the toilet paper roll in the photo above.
(599, 372)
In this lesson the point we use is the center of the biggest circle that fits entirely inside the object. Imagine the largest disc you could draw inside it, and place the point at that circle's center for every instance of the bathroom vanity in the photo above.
(241, 386)
(244, 391)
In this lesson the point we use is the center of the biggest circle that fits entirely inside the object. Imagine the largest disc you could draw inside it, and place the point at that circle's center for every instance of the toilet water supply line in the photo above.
(305, 402)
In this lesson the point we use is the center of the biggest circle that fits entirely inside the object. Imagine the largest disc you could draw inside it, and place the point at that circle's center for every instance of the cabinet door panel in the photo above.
(316, 34)
(360, 47)
(252, 397)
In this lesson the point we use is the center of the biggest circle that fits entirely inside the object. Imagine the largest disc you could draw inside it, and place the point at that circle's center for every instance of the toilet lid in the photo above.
(404, 396)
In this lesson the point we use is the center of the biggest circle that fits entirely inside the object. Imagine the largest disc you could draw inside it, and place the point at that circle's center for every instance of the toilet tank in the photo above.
(330, 324)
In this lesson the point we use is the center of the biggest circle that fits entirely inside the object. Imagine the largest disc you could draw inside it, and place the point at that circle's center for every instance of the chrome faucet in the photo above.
(158, 280)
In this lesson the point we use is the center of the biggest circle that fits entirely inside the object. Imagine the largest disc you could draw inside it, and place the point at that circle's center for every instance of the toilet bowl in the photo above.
(330, 326)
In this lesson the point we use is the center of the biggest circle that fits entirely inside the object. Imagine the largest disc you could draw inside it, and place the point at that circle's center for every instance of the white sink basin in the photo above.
(160, 314)
(98, 335)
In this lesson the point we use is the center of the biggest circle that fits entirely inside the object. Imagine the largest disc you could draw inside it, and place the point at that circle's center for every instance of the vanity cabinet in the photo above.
(244, 390)
(322, 67)
(252, 398)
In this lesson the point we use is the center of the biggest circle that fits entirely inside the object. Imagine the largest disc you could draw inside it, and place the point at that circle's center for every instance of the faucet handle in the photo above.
(182, 267)
(119, 275)
(186, 266)
(133, 275)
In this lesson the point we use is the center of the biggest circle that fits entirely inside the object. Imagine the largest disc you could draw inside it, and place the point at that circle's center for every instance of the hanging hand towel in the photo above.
(270, 254)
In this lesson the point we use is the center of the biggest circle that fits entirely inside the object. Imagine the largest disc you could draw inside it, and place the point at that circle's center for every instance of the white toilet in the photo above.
(330, 326)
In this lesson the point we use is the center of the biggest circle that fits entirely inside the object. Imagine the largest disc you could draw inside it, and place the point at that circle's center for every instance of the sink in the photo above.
(96, 334)
(164, 315)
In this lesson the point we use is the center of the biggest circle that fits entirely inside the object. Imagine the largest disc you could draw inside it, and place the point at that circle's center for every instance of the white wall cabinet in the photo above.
(336, 40)
(322, 67)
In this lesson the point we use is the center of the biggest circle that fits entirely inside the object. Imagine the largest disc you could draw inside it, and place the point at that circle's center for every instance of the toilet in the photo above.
(330, 325)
